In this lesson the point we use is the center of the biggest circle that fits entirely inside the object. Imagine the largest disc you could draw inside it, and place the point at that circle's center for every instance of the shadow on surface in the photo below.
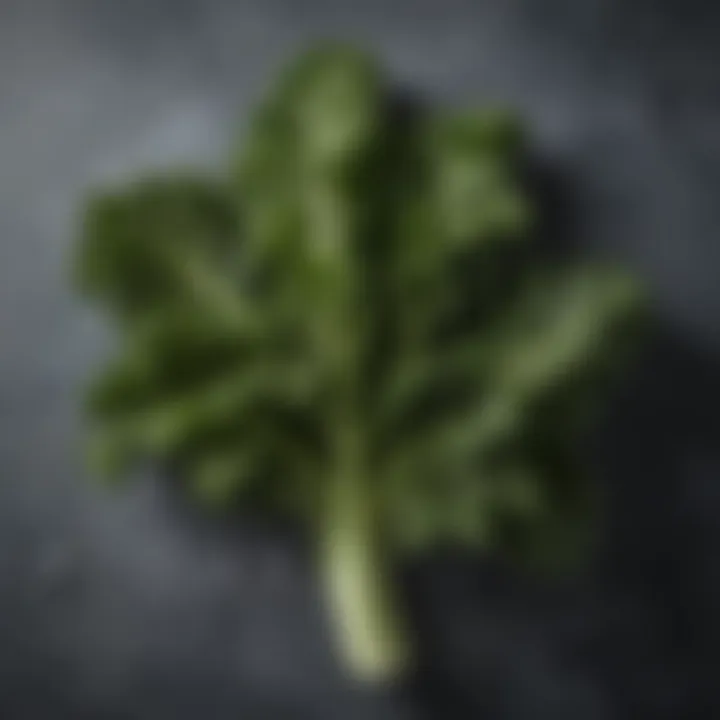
(636, 635)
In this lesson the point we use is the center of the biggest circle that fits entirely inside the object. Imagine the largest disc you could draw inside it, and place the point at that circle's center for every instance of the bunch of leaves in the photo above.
(357, 273)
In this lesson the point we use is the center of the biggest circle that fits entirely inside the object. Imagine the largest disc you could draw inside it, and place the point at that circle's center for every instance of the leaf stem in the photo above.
(369, 628)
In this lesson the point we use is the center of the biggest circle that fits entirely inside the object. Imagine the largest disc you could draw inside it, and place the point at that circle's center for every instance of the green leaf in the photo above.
(164, 241)
(360, 273)
(475, 190)
(218, 480)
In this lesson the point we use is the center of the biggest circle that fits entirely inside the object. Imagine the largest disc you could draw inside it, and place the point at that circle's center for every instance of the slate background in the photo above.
(124, 606)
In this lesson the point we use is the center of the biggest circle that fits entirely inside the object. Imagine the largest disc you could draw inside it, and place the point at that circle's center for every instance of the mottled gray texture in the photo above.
(122, 605)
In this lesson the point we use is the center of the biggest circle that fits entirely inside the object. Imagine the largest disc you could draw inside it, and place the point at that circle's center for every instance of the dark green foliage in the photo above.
(352, 272)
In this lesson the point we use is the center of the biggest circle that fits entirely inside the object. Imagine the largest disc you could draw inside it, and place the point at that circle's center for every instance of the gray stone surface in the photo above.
(120, 606)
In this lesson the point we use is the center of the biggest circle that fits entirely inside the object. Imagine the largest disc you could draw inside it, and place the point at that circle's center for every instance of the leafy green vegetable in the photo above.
(346, 327)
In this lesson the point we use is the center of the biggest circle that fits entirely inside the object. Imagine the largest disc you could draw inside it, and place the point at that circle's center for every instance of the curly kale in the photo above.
(345, 326)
